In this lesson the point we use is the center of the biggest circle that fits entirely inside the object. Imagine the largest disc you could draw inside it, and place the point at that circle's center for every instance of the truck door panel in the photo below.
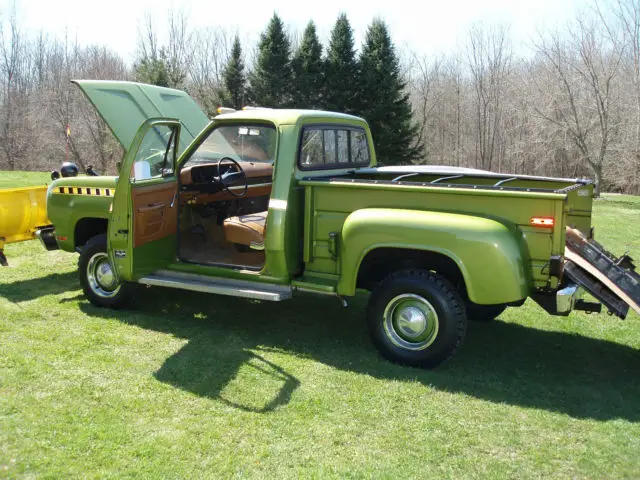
(154, 212)
(142, 229)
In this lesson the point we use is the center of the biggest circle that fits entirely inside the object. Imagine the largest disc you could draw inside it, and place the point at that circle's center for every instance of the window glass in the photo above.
(329, 146)
(359, 147)
(155, 156)
(324, 147)
(311, 152)
(343, 146)
(242, 143)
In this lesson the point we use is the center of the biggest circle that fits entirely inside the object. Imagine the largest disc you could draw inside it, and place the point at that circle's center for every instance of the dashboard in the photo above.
(198, 182)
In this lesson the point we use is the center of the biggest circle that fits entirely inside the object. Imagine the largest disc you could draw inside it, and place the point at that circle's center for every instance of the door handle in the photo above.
(151, 206)
(173, 200)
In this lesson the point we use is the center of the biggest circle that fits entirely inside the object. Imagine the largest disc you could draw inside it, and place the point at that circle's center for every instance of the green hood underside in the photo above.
(124, 106)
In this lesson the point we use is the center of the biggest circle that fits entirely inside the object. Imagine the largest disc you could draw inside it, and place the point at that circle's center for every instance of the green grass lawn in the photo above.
(23, 179)
(194, 385)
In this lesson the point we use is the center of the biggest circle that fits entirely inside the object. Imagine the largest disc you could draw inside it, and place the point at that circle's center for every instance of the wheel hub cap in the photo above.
(411, 322)
(102, 280)
(104, 275)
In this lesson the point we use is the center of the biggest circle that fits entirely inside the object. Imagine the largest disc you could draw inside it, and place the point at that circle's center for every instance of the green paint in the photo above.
(485, 231)
(486, 251)
(124, 106)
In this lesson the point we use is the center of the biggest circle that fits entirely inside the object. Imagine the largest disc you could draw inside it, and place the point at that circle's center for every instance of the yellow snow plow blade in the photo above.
(23, 216)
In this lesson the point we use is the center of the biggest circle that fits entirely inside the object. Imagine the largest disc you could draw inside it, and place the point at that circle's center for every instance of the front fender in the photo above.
(489, 254)
(69, 200)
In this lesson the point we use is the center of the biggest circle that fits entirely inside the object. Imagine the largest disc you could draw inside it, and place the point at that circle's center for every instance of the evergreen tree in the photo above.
(271, 79)
(385, 103)
(152, 70)
(341, 92)
(233, 78)
(308, 70)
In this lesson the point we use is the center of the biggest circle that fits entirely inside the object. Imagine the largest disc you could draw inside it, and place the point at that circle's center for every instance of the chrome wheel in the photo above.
(101, 277)
(410, 322)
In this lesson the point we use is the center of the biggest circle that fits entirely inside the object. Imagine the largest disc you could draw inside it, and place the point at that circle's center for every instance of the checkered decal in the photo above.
(92, 191)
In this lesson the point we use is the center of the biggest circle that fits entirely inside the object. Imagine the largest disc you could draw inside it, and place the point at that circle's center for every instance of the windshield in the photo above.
(242, 143)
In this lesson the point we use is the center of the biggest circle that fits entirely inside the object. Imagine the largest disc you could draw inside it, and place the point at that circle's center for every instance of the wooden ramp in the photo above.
(612, 280)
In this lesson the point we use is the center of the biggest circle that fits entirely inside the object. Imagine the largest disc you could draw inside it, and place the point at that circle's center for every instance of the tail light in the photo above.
(547, 222)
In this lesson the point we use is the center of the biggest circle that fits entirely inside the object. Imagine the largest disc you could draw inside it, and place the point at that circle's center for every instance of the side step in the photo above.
(202, 283)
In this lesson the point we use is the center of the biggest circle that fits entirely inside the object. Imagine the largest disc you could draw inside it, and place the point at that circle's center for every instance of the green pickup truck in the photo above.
(263, 203)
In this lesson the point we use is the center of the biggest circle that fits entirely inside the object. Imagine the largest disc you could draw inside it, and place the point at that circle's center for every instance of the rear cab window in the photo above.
(324, 147)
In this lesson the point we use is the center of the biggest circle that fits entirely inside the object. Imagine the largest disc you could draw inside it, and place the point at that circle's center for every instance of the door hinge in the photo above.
(123, 231)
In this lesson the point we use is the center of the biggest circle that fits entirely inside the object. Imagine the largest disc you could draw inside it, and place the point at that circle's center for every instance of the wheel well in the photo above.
(88, 228)
(381, 262)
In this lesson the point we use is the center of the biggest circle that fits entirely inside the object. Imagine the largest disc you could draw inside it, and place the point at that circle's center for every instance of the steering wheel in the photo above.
(229, 178)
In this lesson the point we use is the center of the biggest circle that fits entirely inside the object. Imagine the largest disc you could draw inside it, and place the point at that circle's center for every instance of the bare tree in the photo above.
(489, 57)
(15, 88)
(621, 20)
(167, 63)
(211, 47)
(582, 70)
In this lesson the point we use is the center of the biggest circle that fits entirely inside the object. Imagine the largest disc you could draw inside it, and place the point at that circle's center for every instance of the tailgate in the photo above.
(612, 280)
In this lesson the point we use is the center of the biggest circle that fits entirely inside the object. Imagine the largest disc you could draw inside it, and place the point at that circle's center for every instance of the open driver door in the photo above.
(143, 227)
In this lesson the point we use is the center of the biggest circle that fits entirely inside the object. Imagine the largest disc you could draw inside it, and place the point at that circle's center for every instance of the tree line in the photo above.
(286, 76)
(568, 107)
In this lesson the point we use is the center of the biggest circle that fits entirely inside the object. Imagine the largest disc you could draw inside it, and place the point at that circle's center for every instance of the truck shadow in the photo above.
(53, 284)
(499, 362)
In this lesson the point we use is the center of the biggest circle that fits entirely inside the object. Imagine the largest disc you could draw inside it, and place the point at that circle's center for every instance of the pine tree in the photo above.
(341, 92)
(270, 82)
(308, 70)
(385, 103)
(233, 78)
(152, 70)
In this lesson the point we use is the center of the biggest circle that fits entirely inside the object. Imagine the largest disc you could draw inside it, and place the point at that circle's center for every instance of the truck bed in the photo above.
(511, 199)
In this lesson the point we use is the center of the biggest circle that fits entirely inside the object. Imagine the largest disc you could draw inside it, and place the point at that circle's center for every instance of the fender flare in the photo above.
(491, 256)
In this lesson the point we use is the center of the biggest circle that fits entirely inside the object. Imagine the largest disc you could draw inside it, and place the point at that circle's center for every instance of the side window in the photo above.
(359, 147)
(327, 147)
(311, 152)
(156, 155)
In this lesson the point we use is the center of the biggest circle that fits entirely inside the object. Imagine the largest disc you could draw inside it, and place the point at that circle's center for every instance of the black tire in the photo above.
(484, 313)
(430, 325)
(94, 273)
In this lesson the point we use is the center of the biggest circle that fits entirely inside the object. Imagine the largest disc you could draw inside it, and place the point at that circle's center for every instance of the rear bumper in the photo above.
(567, 297)
(561, 302)
(47, 236)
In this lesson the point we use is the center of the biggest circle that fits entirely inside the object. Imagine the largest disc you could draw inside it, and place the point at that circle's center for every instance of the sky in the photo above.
(425, 27)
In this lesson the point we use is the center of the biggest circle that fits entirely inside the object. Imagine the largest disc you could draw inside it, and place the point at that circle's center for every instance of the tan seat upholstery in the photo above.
(246, 230)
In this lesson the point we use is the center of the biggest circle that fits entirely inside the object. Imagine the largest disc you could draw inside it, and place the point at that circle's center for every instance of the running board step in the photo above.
(202, 283)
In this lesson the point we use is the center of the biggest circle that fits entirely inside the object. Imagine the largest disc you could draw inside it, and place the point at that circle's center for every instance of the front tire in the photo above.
(97, 277)
(416, 318)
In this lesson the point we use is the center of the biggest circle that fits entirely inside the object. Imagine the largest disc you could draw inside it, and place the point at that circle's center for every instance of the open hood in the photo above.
(124, 106)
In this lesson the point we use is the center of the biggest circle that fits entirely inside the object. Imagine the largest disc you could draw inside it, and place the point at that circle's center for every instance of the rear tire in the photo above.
(416, 318)
(97, 277)
(484, 313)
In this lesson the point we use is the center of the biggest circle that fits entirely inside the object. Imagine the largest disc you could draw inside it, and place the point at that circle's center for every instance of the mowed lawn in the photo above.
(189, 385)
(23, 179)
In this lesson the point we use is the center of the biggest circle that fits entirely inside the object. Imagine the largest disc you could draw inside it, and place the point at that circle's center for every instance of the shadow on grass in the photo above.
(500, 362)
(54, 284)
